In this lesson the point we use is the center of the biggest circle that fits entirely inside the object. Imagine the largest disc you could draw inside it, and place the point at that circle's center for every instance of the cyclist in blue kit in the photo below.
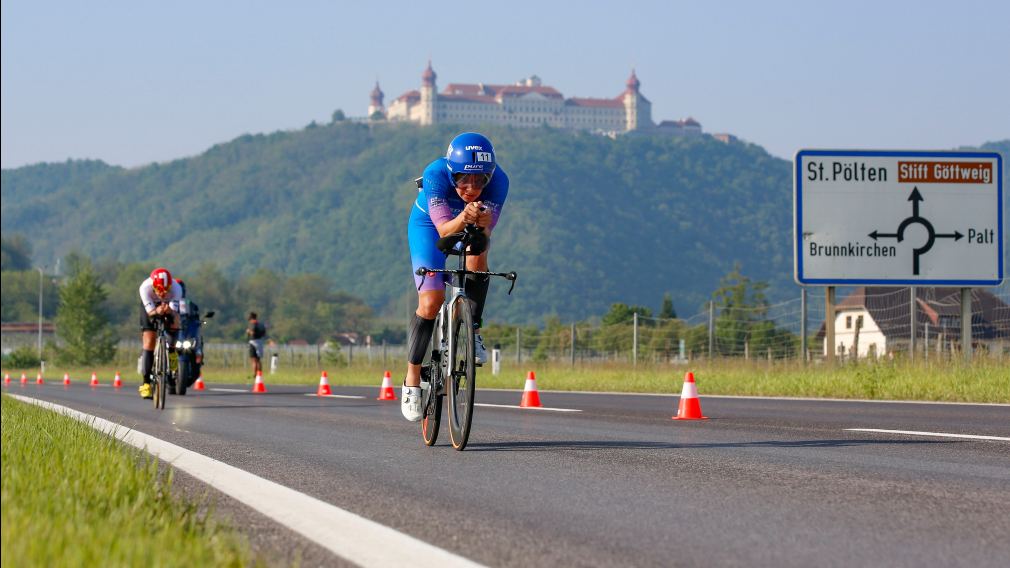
(465, 187)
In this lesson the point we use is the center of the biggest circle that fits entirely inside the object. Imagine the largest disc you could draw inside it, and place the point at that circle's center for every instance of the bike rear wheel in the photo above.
(460, 382)
(431, 372)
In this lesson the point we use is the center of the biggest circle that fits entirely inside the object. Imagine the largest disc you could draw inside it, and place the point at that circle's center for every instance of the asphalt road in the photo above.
(763, 482)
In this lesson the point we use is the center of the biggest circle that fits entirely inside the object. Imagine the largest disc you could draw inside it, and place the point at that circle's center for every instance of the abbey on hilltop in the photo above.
(527, 103)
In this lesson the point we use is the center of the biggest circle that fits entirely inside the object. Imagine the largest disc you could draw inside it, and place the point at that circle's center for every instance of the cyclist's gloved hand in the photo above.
(471, 212)
(483, 217)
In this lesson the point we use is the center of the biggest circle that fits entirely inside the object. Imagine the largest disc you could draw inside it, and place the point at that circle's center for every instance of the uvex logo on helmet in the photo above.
(470, 152)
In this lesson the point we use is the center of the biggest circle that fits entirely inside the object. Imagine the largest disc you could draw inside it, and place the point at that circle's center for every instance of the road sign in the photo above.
(863, 217)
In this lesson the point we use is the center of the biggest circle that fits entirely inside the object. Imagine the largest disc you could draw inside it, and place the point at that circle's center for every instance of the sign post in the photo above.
(898, 218)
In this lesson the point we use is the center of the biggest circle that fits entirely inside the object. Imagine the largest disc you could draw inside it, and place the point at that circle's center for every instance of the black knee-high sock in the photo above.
(476, 289)
(147, 364)
(418, 338)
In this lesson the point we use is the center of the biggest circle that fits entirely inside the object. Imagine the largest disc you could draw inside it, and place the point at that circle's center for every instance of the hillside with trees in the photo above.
(590, 220)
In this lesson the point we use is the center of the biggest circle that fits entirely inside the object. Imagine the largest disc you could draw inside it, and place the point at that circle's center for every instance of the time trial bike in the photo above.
(450, 364)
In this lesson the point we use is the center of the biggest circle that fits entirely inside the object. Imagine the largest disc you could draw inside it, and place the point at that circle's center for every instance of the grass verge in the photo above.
(952, 380)
(73, 496)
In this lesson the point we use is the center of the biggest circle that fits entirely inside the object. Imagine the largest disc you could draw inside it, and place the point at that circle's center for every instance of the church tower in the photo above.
(428, 95)
(375, 106)
(637, 109)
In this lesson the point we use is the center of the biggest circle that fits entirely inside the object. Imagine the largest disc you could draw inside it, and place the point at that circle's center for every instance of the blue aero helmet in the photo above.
(470, 153)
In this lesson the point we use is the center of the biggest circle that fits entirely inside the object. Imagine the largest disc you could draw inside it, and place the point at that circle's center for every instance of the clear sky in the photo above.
(134, 81)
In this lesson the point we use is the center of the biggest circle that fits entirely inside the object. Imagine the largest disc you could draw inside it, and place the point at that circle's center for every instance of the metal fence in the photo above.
(869, 322)
(278, 356)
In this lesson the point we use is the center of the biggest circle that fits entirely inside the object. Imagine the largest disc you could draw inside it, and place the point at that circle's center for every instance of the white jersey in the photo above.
(151, 300)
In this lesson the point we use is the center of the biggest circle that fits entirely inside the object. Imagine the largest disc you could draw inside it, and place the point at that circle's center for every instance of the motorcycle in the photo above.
(189, 347)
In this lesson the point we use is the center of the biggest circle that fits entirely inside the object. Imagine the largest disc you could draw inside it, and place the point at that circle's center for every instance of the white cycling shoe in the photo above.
(410, 404)
(479, 352)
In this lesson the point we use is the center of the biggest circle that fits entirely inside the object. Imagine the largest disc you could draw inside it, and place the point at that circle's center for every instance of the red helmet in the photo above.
(161, 279)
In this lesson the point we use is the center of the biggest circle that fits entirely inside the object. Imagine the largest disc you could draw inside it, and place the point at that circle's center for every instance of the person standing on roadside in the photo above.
(256, 333)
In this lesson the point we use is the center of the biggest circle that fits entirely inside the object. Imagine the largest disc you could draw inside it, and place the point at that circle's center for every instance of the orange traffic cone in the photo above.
(531, 398)
(24, 379)
(386, 390)
(258, 386)
(38, 379)
(690, 404)
(7, 379)
(324, 385)
(198, 385)
(117, 382)
(94, 380)
(66, 379)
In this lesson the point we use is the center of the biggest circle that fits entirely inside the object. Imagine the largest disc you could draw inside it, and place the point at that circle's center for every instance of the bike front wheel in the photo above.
(160, 375)
(460, 382)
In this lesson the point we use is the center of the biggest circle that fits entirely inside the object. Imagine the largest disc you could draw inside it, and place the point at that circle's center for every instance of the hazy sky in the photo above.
(131, 82)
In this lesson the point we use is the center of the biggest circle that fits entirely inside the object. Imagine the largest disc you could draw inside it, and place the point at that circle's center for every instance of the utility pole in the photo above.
(711, 328)
(829, 324)
(803, 324)
(911, 323)
(966, 323)
(41, 277)
(573, 345)
(634, 339)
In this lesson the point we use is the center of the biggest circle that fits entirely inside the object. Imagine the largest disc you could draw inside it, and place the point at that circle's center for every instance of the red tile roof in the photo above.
(470, 98)
(409, 96)
(601, 103)
(519, 90)
(471, 89)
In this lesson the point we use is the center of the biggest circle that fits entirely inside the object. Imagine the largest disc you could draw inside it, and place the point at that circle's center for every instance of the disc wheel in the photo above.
(432, 419)
(460, 382)
(433, 409)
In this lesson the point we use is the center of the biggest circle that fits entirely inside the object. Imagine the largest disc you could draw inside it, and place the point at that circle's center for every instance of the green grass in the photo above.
(983, 380)
(73, 496)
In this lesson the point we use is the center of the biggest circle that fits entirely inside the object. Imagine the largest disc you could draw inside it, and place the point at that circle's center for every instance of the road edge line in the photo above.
(346, 534)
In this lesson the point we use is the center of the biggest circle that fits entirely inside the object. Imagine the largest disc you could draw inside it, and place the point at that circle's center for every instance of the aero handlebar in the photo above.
(425, 272)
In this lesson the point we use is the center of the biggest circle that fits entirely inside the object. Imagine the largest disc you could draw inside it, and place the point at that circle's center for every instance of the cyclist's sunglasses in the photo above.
(483, 179)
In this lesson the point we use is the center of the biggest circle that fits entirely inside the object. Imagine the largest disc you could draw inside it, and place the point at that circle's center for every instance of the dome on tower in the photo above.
(428, 77)
(633, 82)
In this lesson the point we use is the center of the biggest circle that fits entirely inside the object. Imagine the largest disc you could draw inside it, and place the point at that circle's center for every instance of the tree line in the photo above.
(96, 303)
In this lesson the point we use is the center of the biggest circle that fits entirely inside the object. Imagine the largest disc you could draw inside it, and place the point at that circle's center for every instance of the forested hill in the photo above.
(589, 220)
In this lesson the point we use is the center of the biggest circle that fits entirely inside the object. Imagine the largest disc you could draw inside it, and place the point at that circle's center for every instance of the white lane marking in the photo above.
(527, 407)
(940, 434)
(333, 395)
(229, 390)
(344, 533)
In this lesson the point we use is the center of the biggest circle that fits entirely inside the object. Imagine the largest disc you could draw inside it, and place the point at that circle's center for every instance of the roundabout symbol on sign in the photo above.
(915, 198)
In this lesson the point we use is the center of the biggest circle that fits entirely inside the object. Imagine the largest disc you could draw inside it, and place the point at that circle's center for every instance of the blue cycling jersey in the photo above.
(438, 198)
(437, 202)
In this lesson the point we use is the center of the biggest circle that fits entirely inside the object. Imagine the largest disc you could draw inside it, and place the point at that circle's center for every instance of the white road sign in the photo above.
(898, 218)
